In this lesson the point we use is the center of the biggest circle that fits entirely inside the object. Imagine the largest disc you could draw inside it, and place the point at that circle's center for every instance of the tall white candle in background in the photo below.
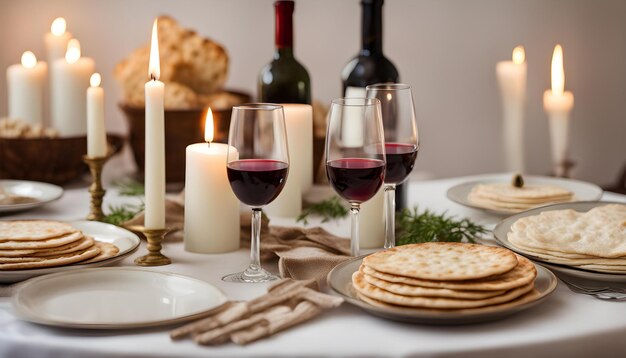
(70, 80)
(155, 141)
(558, 103)
(96, 133)
(56, 40)
(512, 79)
(25, 85)
(299, 124)
(211, 207)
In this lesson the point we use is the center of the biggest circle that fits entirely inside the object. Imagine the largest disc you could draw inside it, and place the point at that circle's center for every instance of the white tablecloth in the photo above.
(567, 324)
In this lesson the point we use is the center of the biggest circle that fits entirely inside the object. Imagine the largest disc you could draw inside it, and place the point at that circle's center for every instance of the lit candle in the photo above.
(299, 125)
(96, 133)
(512, 79)
(558, 103)
(56, 40)
(154, 171)
(70, 80)
(25, 84)
(211, 207)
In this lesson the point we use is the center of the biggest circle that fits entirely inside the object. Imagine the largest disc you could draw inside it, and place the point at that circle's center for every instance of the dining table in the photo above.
(566, 324)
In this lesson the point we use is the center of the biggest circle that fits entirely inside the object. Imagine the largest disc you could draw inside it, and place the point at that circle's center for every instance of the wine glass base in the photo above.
(250, 276)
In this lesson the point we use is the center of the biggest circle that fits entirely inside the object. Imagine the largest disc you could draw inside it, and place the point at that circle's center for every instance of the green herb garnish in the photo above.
(130, 188)
(122, 213)
(328, 209)
(413, 227)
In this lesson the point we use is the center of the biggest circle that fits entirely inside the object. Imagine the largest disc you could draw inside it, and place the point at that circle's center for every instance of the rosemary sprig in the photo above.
(122, 213)
(130, 188)
(328, 209)
(413, 227)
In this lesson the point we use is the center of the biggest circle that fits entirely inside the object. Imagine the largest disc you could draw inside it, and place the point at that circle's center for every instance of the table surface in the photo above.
(567, 324)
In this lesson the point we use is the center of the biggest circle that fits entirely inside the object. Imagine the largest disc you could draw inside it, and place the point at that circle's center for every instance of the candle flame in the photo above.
(29, 60)
(154, 67)
(208, 126)
(558, 73)
(95, 79)
(58, 26)
(73, 51)
(519, 55)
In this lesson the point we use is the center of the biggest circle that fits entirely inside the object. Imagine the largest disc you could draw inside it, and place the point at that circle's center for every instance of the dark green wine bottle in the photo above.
(284, 80)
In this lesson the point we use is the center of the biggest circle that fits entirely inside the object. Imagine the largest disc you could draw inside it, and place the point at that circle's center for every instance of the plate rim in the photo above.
(27, 315)
(24, 206)
(429, 316)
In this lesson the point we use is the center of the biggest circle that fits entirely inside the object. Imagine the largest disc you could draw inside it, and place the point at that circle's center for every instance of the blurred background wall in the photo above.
(446, 49)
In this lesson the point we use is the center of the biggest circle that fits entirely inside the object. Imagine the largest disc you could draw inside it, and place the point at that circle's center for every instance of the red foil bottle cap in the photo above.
(284, 23)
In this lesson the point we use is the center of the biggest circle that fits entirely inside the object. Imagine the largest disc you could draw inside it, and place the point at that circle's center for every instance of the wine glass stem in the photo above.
(255, 246)
(354, 231)
(390, 212)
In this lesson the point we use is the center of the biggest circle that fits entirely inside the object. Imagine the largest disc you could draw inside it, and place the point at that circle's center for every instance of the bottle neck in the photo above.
(284, 27)
(372, 27)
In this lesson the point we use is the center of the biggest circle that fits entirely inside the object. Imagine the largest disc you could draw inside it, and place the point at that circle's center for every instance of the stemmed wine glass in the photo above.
(355, 154)
(401, 143)
(257, 167)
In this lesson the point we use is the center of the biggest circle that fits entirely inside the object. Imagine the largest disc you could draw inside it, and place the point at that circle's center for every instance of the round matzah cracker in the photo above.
(528, 194)
(42, 244)
(32, 230)
(52, 261)
(408, 290)
(107, 251)
(72, 246)
(505, 206)
(521, 275)
(443, 261)
(603, 268)
(574, 261)
(360, 285)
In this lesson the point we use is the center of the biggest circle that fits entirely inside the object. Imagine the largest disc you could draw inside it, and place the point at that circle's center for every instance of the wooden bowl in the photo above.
(182, 128)
(51, 160)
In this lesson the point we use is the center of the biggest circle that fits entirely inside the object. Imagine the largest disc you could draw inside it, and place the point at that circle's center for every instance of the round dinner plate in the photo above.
(126, 242)
(340, 284)
(583, 191)
(502, 229)
(42, 193)
(114, 298)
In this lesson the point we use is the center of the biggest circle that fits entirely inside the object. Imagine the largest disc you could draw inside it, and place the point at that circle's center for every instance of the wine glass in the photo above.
(257, 167)
(355, 154)
(401, 143)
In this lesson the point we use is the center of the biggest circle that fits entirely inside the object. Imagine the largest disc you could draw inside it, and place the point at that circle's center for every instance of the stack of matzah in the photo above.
(507, 197)
(445, 276)
(595, 240)
(39, 243)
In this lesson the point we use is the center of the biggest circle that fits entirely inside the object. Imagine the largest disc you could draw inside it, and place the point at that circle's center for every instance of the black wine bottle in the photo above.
(284, 80)
(371, 66)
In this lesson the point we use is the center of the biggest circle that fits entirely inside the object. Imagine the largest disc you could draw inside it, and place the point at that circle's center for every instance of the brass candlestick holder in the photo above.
(154, 256)
(95, 189)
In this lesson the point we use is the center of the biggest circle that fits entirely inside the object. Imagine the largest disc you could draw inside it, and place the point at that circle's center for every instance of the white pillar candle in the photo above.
(512, 79)
(211, 207)
(154, 171)
(96, 132)
(558, 103)
(25, 84)
(70, 79)
(299, 124)
(372, 222)
(56, 40)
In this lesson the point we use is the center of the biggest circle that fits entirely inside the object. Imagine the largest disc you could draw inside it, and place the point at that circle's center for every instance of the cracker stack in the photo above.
(595, 240)
(507, 197)
(445, 276)
(39, 243)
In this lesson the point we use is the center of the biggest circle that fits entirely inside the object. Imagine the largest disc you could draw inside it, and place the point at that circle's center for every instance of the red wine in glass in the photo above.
(400, 161)
(356, 179)
(257, 182)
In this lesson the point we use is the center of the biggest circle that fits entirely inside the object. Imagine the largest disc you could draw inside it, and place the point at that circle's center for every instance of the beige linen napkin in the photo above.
(286, 304)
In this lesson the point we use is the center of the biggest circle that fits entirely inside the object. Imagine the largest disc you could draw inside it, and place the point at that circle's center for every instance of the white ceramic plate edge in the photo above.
(25, 206)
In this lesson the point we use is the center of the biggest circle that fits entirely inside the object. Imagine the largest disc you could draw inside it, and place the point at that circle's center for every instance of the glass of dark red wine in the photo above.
(401, 143)
(257, 168)
(355, 154)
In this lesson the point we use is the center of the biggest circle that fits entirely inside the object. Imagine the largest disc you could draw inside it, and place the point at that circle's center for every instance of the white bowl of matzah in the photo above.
(444, 283)
(585, 236)
(33, 247)
(502, 194)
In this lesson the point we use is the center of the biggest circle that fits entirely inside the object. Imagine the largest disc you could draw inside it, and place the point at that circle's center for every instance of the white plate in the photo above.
(126, 242)
(502, 229)
(114, 298)
(42, 192)
(583, 191)
(340, 282)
